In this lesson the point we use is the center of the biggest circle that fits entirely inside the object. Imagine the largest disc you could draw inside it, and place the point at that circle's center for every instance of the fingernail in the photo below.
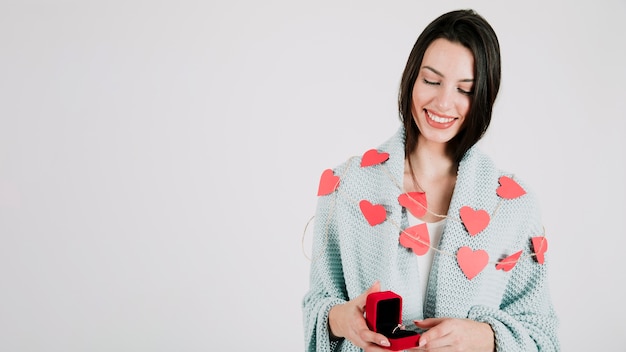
(385, 343)
(422, 343)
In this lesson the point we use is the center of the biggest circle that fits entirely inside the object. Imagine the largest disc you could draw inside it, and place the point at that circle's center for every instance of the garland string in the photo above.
(398, 227)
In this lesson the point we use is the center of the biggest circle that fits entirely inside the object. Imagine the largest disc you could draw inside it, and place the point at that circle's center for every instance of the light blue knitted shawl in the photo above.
(349, 255)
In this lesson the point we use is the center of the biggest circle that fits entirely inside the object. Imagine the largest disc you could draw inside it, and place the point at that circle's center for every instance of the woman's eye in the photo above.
(466, 92)
(431, 82)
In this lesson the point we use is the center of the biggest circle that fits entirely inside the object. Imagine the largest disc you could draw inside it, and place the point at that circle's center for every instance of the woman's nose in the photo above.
(444, 99)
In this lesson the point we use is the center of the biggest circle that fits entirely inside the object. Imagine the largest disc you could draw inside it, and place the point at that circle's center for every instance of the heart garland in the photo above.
(509, 189)
(509, 262)
(474, 220)
(328, 183)
(416, 238)
(374, 213)
(373, 157)
(471, 262)
(414, 202)
(540, 246)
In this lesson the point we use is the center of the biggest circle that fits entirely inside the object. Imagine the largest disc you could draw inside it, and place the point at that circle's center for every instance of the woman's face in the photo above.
(442, 90)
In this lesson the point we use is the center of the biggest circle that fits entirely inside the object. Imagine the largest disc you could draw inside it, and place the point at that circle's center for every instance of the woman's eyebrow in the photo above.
(434, 71)
(442, 76)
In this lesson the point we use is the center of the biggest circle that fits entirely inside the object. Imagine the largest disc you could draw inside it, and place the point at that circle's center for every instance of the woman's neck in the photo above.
(431, 170)
(430, 161)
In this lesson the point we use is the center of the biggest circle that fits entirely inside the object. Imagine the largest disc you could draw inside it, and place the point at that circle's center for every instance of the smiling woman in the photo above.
(160, 159)
(441, 95)
(433, 209)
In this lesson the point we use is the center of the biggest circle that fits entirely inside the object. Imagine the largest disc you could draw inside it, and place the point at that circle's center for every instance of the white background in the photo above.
(159, 160)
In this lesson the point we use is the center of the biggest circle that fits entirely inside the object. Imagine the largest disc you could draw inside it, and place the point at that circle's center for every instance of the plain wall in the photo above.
(159, 160)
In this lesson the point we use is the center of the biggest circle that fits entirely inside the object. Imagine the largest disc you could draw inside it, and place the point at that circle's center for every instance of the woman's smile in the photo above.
(439, 121)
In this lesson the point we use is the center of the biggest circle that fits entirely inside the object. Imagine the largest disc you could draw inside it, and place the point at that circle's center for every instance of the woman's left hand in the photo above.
(450, 334)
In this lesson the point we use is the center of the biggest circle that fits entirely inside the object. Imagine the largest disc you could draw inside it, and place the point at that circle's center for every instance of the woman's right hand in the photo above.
(347, 321)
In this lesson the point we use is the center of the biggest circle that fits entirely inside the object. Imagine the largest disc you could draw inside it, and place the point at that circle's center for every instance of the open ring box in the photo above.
(383, 314)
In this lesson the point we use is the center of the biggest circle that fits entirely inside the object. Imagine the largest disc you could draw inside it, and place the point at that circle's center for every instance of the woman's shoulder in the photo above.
(507, 188)
(480, 164)
(375, 173)
(478, 172)
(389, 154)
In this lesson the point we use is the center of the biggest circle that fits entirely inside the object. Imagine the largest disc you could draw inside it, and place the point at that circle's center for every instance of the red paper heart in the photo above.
(509, 262)
(374, 214)
(474, 220)
(415, 202)
(540, 246)
(328, 183)
(373, 157)
(472, 262)
(509, 189)
(416, 238)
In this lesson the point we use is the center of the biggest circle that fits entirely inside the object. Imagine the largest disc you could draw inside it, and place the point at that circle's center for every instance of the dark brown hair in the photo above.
(472, 31)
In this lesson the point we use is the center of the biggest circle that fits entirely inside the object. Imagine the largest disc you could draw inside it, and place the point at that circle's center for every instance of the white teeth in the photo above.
(439, 119)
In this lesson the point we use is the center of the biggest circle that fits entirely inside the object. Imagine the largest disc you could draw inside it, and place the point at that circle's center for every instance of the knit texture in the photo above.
(349, 255)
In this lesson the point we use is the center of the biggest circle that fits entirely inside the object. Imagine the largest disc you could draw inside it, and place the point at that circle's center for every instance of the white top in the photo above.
(424, 262)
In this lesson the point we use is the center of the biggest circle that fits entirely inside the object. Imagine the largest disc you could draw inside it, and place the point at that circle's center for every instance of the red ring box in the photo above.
(383, 314)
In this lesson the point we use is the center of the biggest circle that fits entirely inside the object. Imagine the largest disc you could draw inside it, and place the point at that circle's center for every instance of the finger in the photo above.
(435, 344)
(374, 338)
(427, 323)
(434, 333)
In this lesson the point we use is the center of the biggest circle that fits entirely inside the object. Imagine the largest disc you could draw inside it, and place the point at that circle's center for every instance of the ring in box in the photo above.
(383, 313)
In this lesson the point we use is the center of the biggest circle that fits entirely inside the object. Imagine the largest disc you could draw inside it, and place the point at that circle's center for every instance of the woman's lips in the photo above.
(439, 121)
